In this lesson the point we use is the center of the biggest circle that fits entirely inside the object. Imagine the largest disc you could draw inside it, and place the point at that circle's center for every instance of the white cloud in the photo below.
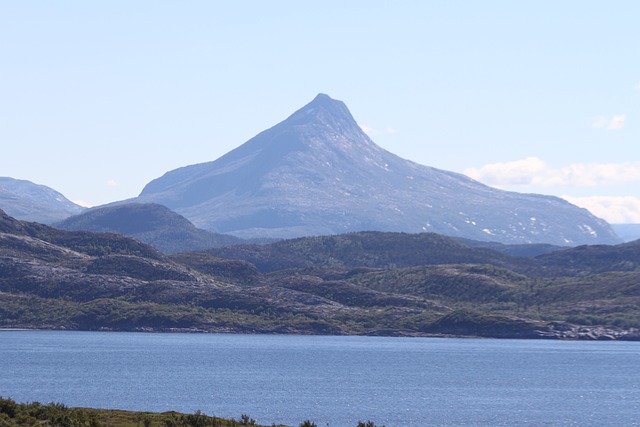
(368, 130)
(112, 183)
(637, 86)
(617, 122)
(533, 171)
(609, 123)
(613, 209)
(517, 172)
(371, 131)
(82, 203)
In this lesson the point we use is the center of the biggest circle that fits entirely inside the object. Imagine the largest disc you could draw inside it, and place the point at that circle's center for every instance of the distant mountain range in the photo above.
(151, 223)
(318, 173)
(32, 202)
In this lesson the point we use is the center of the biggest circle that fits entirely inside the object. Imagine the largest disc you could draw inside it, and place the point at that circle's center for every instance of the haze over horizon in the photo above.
(98, 99)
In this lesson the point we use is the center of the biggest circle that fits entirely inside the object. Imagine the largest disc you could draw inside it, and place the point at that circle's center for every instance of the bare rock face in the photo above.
(318, 173)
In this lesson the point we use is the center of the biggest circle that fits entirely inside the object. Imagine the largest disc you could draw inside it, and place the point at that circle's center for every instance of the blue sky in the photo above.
(98, 98)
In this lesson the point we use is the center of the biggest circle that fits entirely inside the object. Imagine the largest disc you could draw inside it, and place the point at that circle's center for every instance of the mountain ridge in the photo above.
(318, 173)
(150, 223)
(57, 279)
(29, 201)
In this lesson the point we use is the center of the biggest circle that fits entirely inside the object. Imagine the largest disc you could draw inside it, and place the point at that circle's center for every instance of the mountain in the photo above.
(521, 250)
(32, 202)
(388, 250)
(318, 173)
(370, 249)
(627, 232)
(58, 279)
(592, 259)
(151, 223)
(52, 279)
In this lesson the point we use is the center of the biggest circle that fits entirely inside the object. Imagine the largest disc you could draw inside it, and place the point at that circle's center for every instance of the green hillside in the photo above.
(360, 283)
(150, 223)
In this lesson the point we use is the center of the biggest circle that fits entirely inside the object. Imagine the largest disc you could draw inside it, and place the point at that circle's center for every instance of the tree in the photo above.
(246, 420)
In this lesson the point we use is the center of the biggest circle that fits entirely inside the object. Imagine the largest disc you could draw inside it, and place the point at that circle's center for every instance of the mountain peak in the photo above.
(317, 172)
(323, 97)
(25, 200)
(326, 111)
(324, 100)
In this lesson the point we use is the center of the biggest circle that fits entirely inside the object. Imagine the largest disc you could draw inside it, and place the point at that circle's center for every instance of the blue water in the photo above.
(333, 381)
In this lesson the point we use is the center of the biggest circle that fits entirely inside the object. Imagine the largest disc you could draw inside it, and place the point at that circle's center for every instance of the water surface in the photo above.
(333, 381)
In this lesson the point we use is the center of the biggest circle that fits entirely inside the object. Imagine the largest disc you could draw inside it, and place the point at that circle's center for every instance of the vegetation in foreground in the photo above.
(13, 414)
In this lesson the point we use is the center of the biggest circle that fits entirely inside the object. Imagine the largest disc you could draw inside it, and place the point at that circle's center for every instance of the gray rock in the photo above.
(318, 173)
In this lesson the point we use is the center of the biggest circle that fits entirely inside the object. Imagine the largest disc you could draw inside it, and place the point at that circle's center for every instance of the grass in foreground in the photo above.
(57, 414)
(13, 414)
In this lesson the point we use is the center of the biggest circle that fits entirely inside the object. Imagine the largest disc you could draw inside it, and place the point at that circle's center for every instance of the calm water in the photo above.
(333, 381)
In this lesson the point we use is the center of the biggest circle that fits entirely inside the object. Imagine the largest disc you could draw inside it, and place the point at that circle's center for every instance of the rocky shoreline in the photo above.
(554, 331)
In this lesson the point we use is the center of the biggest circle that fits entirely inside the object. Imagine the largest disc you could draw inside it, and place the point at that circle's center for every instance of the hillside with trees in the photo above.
(359, 283)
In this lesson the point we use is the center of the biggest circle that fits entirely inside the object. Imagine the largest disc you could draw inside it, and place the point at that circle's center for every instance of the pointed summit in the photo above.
(324, 111)
(323, 103)
(323, 97)
(317, 172)
(321, 132)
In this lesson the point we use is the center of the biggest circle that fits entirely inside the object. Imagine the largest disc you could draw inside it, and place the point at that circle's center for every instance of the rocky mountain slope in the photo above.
(32, 202)
(318, 173)
(51, 278)
(150, 223)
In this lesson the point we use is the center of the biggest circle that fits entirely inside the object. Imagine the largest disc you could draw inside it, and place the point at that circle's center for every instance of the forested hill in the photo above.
(398, 250)
(151, 223)
(57, 279)
(363, 249)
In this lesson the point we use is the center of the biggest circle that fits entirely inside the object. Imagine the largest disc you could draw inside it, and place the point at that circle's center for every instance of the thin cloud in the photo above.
(600, 122)
(533, 171)
(371, 131)
(517, 172)
(368, 130)
(617, 122)
(609, 123)
(112, 183)
(613, 209)
(82, 203)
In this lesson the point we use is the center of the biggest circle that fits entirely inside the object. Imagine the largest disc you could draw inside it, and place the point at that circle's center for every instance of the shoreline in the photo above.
(577, 334)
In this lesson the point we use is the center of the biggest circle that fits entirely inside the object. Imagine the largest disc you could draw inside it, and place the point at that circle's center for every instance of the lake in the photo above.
(333, 381)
